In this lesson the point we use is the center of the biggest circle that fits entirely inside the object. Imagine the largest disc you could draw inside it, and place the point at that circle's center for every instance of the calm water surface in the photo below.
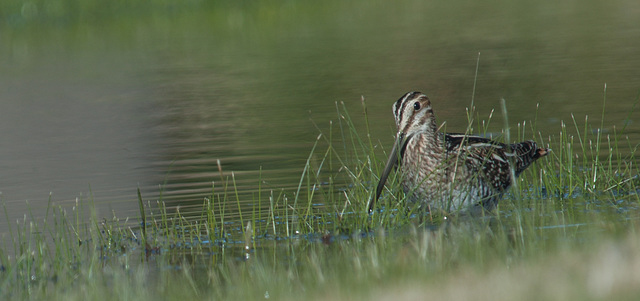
(93, 109)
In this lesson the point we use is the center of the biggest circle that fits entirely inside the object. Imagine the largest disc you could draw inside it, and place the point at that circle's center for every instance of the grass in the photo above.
(568, 232)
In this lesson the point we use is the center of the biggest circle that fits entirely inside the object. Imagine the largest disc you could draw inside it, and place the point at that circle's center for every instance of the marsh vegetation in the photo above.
(568, 230)
(228, 150)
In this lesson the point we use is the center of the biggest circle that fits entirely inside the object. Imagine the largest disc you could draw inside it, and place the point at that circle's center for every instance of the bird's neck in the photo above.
(426, 142)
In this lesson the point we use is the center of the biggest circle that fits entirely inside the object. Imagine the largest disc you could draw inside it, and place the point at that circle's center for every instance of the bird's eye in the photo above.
(416, 105)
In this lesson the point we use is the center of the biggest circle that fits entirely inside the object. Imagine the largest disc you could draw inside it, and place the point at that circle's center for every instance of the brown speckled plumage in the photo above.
(451, 172)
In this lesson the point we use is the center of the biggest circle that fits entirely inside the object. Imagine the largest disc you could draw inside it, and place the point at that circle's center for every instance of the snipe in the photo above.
(450, 172)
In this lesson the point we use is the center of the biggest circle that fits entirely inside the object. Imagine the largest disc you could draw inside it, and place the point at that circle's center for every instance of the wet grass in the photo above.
(569, 231)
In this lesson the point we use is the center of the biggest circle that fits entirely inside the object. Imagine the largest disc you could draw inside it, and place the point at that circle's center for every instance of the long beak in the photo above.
(394, 159)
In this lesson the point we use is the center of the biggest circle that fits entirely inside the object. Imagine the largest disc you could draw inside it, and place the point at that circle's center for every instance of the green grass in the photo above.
(568, 232)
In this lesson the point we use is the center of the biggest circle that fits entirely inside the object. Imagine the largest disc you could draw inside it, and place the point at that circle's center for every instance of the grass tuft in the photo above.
(574, 211)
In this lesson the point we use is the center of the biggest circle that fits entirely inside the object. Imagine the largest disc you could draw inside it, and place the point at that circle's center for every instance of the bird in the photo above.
(448, 171)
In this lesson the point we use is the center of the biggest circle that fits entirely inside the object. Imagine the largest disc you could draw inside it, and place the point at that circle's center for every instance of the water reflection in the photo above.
(157, 100)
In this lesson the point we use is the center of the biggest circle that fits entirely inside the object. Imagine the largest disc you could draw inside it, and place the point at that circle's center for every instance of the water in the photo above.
(92, 108)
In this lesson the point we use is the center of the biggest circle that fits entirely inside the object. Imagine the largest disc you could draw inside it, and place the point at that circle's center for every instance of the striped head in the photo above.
(414, 115)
